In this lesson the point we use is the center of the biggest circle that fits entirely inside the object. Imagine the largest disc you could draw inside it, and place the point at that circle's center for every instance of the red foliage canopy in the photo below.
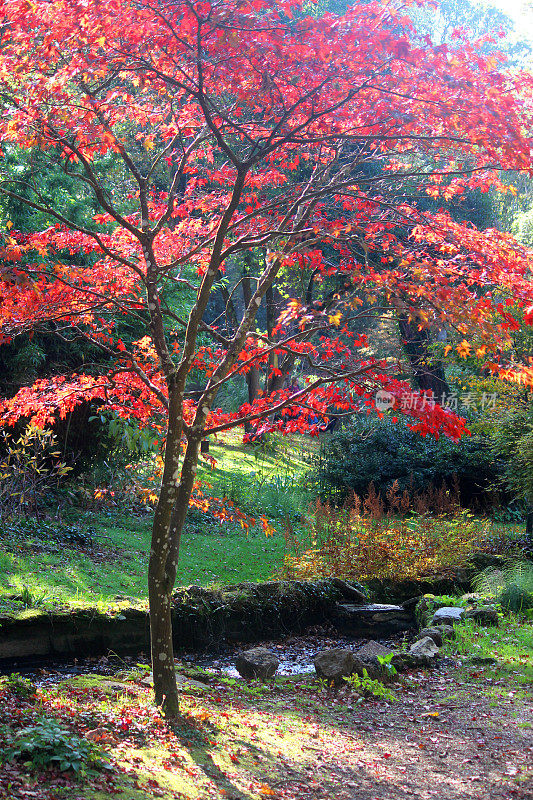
(205, 131)
(274, 131)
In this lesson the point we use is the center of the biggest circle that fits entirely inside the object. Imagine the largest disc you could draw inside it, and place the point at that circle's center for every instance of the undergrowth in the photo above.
(361, 541)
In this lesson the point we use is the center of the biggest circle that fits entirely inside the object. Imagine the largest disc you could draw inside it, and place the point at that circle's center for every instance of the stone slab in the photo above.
(372, 618)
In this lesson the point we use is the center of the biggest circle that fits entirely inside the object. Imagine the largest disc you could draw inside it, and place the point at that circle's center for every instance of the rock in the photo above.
(334, 665)
(482, 561)
(373, 618)
(356, 593)
(367, 657)
(446, 631)
(447, 614)
(433, 633)
(257, 663)
(483, 615)
(411, 604)
(424, 652)
(403, 661)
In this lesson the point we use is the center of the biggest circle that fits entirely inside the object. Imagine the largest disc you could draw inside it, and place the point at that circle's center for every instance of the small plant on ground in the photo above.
(365, 685)
(31, 599)
(47, 742)
(387, 666)
(19, 686)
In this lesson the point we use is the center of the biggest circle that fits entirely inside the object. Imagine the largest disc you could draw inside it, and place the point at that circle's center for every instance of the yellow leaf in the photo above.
(101, 41)
(9, 224)
(464, 349)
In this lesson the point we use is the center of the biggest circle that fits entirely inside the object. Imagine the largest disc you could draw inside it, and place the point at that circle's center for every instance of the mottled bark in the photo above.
(162, 568)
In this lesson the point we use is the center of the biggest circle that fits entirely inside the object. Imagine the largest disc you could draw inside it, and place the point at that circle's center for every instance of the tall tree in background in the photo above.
(235, 128)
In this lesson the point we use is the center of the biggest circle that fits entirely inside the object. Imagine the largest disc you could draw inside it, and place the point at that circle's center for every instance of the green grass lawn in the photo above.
(118, 565)
(43, 571)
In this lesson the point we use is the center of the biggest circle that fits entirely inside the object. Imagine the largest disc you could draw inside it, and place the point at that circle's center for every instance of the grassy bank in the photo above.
(46, 573)
(41, 565)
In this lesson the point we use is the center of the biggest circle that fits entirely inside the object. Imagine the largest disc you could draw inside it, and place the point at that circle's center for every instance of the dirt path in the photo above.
(447, 739)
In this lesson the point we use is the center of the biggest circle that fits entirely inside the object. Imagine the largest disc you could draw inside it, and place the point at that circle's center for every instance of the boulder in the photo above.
(371, 619)
(403, 661)
(353, 591)
(367, 657)
(446, 631)
(447, 614)
(411, 604)
(483, 615)
(258, 662)
(433, 633)
(424, 652)
(334, 665)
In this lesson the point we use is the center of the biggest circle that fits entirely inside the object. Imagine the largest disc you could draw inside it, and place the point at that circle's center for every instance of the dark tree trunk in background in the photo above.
(428, 372)
(252, 377)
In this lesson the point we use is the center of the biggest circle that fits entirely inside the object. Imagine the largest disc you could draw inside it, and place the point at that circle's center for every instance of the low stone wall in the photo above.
(203, 618)
(250, 612)
(34, 634)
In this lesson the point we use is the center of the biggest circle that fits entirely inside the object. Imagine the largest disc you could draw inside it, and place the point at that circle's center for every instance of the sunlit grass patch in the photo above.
(511, 645)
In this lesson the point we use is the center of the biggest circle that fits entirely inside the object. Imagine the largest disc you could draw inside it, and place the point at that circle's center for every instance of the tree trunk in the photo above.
(252, 377)
(162, 567)
(270, 321)
(428, 372)
(163, 670)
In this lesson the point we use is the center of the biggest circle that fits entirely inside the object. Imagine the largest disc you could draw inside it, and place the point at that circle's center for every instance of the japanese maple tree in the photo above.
(209, 131)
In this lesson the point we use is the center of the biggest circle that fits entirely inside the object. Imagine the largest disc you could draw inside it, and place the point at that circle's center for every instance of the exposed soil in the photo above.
(444, 739)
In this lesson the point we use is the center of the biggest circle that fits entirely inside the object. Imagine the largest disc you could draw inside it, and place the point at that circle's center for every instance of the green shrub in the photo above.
(383, 453)
(512, 586)
(30, 468)
(512, 443)
(21, 687)
(48, 742)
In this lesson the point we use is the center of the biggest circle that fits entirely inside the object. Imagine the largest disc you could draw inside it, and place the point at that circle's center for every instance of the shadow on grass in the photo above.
(199, 744)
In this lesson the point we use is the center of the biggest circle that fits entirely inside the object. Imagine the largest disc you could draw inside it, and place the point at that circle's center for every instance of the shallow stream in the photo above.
(295, 654)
